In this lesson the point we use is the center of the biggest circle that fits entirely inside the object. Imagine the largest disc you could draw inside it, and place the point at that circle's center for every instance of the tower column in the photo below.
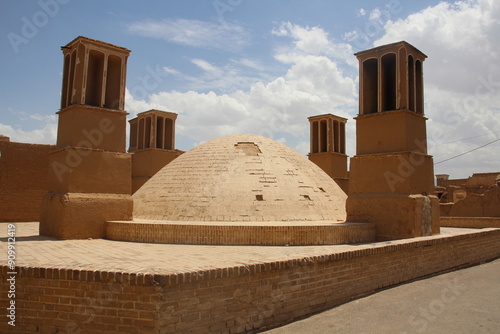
(89, 172)
(391, 176)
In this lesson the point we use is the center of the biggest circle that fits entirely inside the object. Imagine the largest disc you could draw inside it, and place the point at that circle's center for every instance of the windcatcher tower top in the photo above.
(94, 74)
(391, 78)
(93, 95)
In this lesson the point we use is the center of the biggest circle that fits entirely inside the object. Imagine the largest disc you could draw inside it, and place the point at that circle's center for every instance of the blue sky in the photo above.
(231, 66)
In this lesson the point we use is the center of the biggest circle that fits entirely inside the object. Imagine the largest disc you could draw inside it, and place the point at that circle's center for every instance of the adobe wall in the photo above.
(478, 180)
(453, 182)
(231, 300)
(24, 170)
(147, 162)
(478, 205)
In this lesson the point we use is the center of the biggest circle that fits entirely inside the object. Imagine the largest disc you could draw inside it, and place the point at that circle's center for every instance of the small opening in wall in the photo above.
(259, 197)
(248, 148)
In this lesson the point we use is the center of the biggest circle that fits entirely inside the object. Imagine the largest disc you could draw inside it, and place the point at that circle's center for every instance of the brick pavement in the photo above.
(100, 254)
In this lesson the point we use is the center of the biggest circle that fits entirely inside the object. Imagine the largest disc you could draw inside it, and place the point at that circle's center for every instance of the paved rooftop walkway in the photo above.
(108, 255)
(465, 301)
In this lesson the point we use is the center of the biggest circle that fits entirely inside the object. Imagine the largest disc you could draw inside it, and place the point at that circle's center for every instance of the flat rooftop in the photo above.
(33, 250)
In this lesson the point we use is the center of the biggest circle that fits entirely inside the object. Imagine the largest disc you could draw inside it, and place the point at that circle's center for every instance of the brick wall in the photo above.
(231, 300)
(470, 222)
(232, 234)
(24, 170)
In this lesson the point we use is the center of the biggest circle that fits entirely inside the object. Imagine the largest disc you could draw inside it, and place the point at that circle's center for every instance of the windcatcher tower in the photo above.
(327, 150)
(89, 175)
(152, 143)
(391, 176)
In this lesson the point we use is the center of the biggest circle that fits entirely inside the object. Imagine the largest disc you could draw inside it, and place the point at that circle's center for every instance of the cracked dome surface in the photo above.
(240, 178)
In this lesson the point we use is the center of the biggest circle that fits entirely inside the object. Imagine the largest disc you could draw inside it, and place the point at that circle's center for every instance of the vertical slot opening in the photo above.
(419, 88)
(147, 133)
(72, 67)
(370, 86)
(141, 134)
(133, 135)
(64, 91)
(389, 82)
(342, 137)
(169, 134)
(411, 83)
(314, 137)
(93, 92)
(113, 82)
(160, 122)
(336, 138)
(323, 138)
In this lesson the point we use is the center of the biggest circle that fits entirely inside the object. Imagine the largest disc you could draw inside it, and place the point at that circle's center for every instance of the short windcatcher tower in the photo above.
(152, 144)
(328, 147)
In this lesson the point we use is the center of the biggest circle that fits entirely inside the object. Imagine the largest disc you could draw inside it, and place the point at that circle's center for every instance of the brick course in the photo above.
(251, 233)
(470, 222)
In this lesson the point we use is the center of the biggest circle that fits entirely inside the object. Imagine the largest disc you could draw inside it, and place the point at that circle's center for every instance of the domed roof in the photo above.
(240, 178)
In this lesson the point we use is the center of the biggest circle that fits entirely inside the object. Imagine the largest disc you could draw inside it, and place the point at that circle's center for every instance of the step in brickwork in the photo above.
(250, 233)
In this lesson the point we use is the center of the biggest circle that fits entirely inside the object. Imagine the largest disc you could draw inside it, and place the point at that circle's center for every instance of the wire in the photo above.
(477, 148)
(464, 139)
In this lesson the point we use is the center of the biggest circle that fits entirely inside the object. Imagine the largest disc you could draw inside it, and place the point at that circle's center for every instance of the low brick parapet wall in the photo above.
(470, 222)
(235, 299)
(268, 233)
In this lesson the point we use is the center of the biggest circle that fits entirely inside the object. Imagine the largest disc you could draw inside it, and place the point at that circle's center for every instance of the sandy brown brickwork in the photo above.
(471, 222)
(252, 233)
(24, 170)
(233, 299)
(240, 178)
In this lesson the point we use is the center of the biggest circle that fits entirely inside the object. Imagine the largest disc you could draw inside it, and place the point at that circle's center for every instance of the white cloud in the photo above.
(196, 33)
(235, 74)
(169, 70)
(462, 80)
(461, 40)
(46, 135)
(375, 14)
(277, 108)
(44, 132)
(206, 66)
(311, 41)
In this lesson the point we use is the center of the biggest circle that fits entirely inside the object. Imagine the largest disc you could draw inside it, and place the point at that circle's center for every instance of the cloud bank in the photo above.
(318, 74)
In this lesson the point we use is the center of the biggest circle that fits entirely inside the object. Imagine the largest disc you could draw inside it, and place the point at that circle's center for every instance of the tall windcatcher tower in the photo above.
(391, 176)
(90, 171)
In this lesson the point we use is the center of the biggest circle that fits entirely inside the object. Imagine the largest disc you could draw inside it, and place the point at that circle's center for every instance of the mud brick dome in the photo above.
(240, 178)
